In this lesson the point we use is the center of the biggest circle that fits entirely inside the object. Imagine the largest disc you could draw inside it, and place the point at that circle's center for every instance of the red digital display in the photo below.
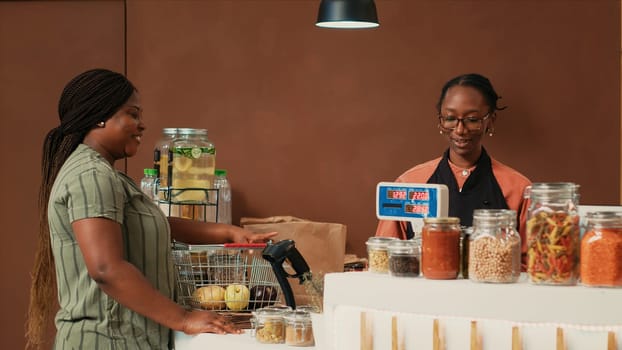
(396, 194)
(419, 195)
(416, 209)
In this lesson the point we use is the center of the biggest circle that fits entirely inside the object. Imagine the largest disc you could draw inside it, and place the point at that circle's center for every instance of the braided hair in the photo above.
(91, 97)
(477, 81)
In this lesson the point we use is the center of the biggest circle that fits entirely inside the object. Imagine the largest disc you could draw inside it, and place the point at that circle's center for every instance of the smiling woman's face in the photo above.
(464, 102)
(121, 134)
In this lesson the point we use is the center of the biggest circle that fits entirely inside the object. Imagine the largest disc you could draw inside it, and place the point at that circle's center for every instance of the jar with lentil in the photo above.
(404, 258)
(494, 249)
(440, 254)
(269, 325)
(601, 250)
(552, 233)
(299, 328)
(377, 253)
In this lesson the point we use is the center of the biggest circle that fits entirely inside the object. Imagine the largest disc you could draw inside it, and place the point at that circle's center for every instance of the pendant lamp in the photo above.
(347, 14)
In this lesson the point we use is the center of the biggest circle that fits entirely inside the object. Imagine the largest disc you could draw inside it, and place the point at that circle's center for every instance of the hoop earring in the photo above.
(101, 124)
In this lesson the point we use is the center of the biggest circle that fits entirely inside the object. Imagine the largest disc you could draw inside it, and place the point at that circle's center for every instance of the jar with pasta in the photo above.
(494, 249)
(440, 248)
(552, 233)
(377, 253)
(601, 250)
(269, 326)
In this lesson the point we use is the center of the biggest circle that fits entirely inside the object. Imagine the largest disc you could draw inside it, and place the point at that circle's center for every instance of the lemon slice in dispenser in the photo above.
(182, 163)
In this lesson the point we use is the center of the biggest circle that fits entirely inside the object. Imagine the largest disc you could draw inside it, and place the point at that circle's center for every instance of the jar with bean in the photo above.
(494, 249)
(404, 258)
(440, 254)
(377, 253)
(601, 250)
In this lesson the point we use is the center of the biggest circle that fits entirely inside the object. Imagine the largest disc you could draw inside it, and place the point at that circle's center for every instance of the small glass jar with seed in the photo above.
(377, 253)
(494, 249)
(404, 258)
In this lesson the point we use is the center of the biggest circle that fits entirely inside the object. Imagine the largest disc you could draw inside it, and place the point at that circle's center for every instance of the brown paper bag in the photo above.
(321, 244)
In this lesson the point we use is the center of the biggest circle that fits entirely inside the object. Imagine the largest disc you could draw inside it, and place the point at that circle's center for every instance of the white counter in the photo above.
(586, 315)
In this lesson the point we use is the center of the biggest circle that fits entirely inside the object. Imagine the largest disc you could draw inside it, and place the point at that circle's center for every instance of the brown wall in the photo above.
(308, 120)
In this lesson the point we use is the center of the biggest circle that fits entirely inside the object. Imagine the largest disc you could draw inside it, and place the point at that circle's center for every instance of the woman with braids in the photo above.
(104, 247)
(467, 110)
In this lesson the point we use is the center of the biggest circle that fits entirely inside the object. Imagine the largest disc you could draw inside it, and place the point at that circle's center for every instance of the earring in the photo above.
(490, 131)
(101, 124)
(440, 132)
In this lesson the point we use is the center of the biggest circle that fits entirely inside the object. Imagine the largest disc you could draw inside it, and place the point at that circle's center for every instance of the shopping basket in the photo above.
(205, 272)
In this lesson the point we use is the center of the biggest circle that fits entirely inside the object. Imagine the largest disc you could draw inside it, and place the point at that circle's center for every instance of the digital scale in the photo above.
(399, 201)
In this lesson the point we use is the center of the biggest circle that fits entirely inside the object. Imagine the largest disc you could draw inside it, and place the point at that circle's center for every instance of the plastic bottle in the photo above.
(224, 196)
(149, 184)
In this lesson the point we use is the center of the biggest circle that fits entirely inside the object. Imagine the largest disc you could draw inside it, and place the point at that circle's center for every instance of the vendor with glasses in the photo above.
(466, 113)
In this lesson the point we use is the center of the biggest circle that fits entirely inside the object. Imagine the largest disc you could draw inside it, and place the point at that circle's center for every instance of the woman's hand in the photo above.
(241, 235)
(198, 321)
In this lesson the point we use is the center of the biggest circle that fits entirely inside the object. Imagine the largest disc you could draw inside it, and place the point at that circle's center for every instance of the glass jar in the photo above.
(495, 247)
(464, 250)
(269, 325)
(403, 258)
(552, 233)
(192, 174)
(601, 250)
(161, 153)
(377, 253)
(299, 328)
(440, 253)
(162, 162)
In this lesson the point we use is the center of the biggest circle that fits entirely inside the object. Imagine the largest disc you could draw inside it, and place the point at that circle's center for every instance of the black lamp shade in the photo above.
(347, 14)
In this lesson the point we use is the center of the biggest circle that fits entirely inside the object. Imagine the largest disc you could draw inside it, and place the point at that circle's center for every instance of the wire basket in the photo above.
(227, 279)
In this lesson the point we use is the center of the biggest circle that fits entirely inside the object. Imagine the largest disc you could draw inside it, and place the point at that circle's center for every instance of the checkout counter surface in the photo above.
(586, 315)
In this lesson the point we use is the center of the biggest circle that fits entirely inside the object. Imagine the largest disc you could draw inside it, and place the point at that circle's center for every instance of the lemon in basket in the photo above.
(210, 297)
(237, 297)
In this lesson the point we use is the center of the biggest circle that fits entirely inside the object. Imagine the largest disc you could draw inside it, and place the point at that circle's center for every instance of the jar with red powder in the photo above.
(601, 250)
(440, 248)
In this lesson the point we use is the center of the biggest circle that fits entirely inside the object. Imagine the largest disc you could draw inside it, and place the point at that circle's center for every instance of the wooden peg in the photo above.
(367, 340)
(474, 340)
(394, 338)
(560, 340)
(436, 340)
(515, 339)
(611, 341)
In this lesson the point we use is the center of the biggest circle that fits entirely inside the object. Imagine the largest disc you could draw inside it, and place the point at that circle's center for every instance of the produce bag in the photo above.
(321, 244)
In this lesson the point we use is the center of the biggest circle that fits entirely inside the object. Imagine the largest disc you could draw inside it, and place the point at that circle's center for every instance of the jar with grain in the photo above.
(404, 258)
(601, 250)
(377, 253)
(299, 328)
(552, 233)
(269, 326)
(440, 254)
(494, 249)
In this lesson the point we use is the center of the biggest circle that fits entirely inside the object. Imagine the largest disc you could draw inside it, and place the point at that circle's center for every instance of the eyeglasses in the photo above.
(449, 123)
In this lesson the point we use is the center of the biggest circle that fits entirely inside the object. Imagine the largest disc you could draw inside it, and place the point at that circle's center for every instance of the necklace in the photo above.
(465, 172)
